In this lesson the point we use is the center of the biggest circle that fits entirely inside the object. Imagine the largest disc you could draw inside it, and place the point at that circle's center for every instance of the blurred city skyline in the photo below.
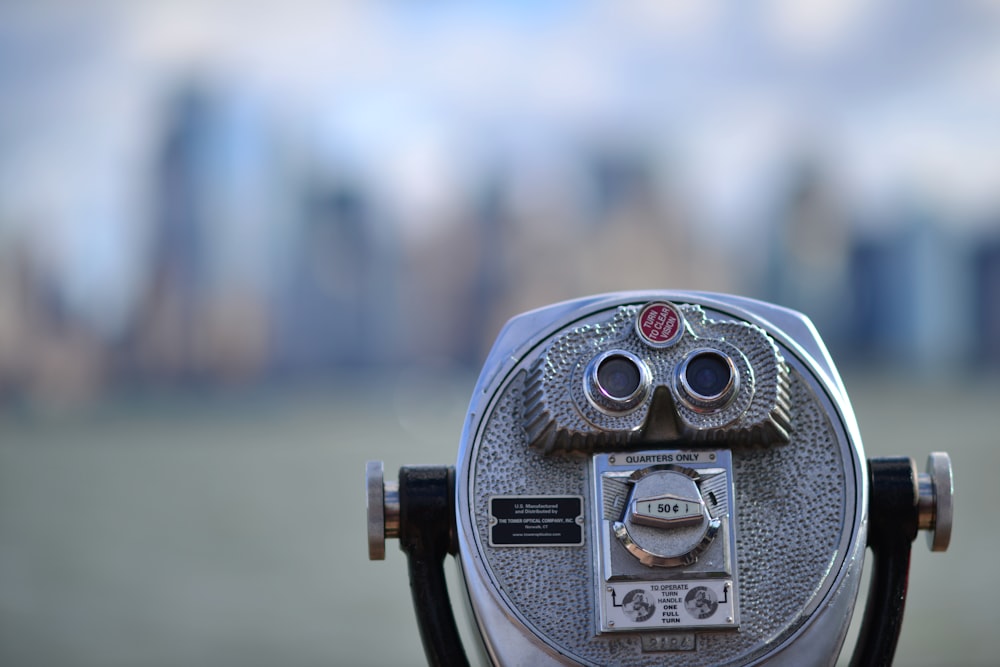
(226, 226)
(218, 193)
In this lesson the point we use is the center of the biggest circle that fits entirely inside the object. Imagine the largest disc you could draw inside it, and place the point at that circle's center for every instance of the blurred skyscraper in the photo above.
(911, 297)
(198, 317)
(986, 295)
(809, 245)
(164, 337)
(338, 296)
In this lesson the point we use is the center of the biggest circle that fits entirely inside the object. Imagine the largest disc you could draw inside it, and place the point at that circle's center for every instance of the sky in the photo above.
(902, 100)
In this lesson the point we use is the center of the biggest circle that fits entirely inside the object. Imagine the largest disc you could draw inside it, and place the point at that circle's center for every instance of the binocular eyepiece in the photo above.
(661, 478)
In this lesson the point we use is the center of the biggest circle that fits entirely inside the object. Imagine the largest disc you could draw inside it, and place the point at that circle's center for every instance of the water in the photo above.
(230, 531)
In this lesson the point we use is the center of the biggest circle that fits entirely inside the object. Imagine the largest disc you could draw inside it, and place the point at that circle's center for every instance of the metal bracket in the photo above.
(902, 503)
(420, 511)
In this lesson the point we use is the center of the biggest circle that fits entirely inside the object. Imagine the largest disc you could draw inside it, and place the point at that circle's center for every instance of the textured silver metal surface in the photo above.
(560, 417)
(799, 504)
(788, 531)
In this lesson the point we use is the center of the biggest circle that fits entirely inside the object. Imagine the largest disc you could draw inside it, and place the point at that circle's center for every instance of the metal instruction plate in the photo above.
(661, 605)
(536, 521)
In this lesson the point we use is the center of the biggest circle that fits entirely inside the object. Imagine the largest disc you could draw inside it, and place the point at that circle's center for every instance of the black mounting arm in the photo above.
(902, 502)
(420, 511)
(426, 534)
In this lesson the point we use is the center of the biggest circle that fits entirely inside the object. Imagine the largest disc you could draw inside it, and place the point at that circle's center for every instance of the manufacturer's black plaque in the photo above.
(536, 521)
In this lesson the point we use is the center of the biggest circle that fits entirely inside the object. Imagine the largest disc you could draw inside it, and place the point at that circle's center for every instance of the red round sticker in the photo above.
(660, 323)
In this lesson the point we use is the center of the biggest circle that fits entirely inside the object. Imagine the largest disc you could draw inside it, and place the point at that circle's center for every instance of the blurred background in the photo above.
(245, 247)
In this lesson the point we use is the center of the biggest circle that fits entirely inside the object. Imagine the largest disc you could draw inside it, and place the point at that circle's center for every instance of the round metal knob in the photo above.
(382, 508)
(935, 511)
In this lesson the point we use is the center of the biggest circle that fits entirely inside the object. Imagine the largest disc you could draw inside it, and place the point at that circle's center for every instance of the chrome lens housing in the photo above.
(617, 381)
(707, 380)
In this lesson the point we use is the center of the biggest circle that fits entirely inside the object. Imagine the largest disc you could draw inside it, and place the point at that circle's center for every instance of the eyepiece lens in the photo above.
(708, 374)
(619, 377)
(616, 382)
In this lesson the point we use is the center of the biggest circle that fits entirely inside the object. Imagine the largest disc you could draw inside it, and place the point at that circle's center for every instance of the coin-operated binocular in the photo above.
(661, 478)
